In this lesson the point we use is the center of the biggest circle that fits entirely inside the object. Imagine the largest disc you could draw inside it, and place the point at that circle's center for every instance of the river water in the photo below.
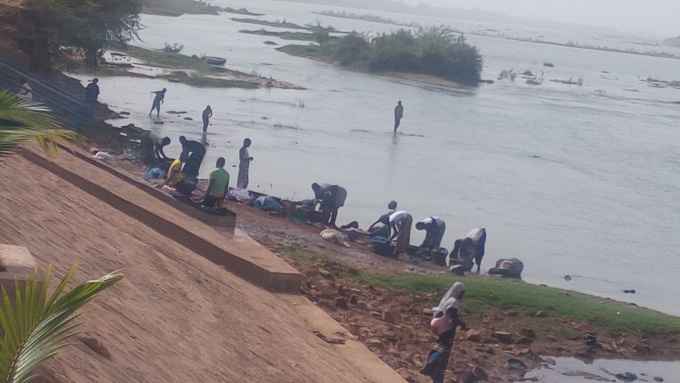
(572, 180)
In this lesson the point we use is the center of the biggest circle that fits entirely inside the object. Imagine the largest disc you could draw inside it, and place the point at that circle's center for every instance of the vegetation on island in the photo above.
(36, 323)
(285, 35)
(436, 51)
(194, 7)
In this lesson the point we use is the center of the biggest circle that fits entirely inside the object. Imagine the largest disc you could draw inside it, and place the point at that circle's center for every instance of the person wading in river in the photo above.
(244, 160)
(207, 115)
(398, 115)
(158, 99)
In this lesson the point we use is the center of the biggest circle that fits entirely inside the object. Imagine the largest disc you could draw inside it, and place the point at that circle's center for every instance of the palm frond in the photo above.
(21, 121)
(35, 323)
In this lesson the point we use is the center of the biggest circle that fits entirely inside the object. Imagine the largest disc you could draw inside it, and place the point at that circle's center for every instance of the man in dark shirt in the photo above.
(193, 153)
(398, 115)
(330, 198)
(91, 96)
(435, 228)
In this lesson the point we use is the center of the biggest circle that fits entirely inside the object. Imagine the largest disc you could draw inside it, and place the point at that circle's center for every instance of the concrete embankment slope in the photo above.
(178, 316)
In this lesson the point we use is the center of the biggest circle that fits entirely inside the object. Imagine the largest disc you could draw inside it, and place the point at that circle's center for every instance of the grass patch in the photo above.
(308, 51)
(482, 293)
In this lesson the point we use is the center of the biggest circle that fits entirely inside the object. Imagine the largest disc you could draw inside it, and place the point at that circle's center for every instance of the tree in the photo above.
(21, 122)
(92, 24)
(36, 324)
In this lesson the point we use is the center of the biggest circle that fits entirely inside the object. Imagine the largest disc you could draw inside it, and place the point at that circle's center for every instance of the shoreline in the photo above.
(384, 303)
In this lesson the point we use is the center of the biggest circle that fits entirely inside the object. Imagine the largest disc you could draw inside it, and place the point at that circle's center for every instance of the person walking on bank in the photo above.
(158, 99)
(91, 96)
(207, 115)
(398, 115)
(244, 165)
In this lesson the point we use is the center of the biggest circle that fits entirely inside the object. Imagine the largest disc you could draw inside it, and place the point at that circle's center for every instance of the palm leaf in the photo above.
(35, 323)
(21, 121)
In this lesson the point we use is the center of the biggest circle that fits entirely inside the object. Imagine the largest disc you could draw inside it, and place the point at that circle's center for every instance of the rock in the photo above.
(328, 339)
(567, 278)
(341, 303)
(527, 332)
(626, 377)
(524, 352)
(516, 364)
(158, 122)
(376, 314)
(473, 375)
(658, 379)
(374, 342)
(325, 273)
(95, 345)
(353, 300)
(503, 337)
(188, 119)
(525, 340)
(631, 291)
(427, 312)
(539, 314)
(392, 315)
(473, 335)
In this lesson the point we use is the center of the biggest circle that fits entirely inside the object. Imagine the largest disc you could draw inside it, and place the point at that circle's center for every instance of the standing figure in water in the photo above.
(207, 115)
(244, 160)
(398, 115)
(158, 99)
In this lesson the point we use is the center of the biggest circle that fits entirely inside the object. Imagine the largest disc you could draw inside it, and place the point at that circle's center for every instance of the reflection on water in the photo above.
(569, 370)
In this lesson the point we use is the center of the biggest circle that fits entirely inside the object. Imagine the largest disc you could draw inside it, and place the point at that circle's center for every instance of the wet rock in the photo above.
(503, 337)
(527, 332)
(341, 303)
(473, 375)
(516, 364)
(392, 315)
(96, 345)
(473, 335)
(626, 377)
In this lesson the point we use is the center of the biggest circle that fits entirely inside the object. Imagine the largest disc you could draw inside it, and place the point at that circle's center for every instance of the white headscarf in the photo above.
(451, 298)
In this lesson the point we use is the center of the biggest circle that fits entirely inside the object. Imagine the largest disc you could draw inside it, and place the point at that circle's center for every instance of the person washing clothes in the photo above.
(217, 186)
(383, 231)
(446, 318)
(435, 228)
(400, 224)
(330, 199)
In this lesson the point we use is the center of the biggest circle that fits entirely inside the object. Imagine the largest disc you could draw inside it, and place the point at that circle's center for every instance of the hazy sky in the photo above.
(659, 17)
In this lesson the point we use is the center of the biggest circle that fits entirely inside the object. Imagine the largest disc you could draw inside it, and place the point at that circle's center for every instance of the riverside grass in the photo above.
(483, 293)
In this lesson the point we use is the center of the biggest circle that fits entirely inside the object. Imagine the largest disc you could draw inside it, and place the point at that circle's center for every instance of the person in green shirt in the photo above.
(218, 186)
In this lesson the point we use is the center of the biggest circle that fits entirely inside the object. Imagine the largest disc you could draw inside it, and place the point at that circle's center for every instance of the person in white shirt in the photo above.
(400, 223)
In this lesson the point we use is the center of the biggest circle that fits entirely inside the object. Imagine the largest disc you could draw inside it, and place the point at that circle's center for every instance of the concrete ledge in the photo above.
(237, 254)
(228, 221)
(16, 265)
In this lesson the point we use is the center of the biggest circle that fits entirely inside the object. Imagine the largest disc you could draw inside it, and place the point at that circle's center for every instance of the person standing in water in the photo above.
(398, 115)
(244, 164)
(207, 115)
(158, 99)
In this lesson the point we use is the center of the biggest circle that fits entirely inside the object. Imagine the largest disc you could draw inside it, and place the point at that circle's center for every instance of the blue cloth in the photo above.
(154, 173)
(268, 203)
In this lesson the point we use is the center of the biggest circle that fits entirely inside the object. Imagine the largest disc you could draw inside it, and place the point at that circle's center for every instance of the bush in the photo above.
(437, 51)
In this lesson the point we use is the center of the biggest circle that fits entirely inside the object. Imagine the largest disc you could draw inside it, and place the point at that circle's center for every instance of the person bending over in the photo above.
(435, 228)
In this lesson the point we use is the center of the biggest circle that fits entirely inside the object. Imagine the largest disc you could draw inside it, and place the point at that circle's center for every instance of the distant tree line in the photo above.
(437, 51)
